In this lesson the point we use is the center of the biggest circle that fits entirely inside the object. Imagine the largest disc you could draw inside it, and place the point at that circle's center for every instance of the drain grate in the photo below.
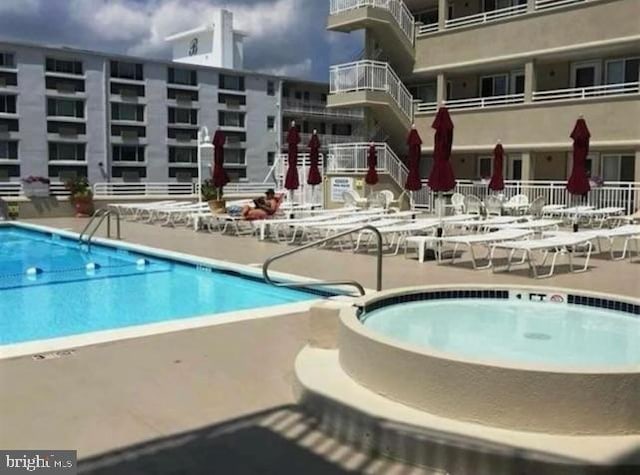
(53, 355)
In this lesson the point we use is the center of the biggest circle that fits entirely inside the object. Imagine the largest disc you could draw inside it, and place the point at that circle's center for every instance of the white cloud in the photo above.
(111, 20)
(19, 7)
(301, 69)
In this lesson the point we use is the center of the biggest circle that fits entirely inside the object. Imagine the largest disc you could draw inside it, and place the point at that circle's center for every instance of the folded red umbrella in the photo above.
(441, 178)
(314, 177)
(578, 183)
(292, 181)
(497, 178)
(372, 164)
(220, 177)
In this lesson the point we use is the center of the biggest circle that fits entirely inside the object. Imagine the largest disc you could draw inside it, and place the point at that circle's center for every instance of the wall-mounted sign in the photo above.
(193, 47)
(339, 185)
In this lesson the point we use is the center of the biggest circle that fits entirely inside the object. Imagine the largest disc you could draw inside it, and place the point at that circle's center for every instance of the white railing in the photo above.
(425, 107)
(486, 17)
(325, 139)
(587, 92)
(549, 4)
(144, 189)
(352, 158)
(397, 8)
(371, 76)
(305, 194)
(624, 195)
(426, 29)
(483, 102)
(15, 189)
(318, 108)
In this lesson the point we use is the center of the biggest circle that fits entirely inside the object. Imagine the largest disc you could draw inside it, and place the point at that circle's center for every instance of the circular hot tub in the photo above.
(533, 359)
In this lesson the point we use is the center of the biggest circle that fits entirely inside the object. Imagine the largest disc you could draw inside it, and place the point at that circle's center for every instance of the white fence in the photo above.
(325, 139)
(549, 4)
(426, 29)
(320, 109)
(587, 92)
(486, 17)
(371, 76)
(484, 102)
(397, 8)
(612, 194)
(306, 194)
(15, 189)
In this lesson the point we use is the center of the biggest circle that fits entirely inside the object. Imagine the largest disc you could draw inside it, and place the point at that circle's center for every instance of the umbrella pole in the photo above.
(440, 230)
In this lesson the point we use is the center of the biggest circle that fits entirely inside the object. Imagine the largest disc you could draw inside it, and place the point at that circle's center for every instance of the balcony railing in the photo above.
(15, 189)
(425, 107)
(426, 29)
(321, 109)
(549, 4)
(325, 139)
(587, 92)
(484, 102)
(397, 8)
(486, 17)
(371, 76)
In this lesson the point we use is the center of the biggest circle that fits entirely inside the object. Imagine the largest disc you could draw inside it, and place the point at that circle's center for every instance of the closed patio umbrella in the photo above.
(292, 181)
(441, 178)
(220, 177)
(314, 178)
(415, 143)
(497, 178)
(578, 183)
(372, 164)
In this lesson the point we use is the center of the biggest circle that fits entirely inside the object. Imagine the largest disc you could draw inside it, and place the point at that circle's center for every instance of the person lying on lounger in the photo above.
(262, 208)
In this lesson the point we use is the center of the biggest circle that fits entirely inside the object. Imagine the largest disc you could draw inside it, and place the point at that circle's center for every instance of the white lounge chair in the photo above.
(568, 245)
(395, 234)
(598, 236)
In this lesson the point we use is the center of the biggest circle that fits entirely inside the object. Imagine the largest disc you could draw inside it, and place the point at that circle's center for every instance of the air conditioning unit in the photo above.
(131, 176)
(3, 82)
(128, 93)
(183, 138)
(129, 135)
(184, 177)
(66, 175)
(65, 88)
(4, 128)
(183, 98)
(68, 131)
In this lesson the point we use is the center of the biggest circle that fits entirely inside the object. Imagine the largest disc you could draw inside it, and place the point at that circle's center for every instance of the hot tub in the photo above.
(532, 359)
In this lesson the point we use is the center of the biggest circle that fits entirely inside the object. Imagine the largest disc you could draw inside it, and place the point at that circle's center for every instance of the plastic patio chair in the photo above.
(457, 203)
(536, 207)
(493, 206)
(472, 204)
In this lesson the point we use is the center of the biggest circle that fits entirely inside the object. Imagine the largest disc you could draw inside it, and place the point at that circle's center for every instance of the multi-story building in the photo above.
(516, 71)
(66, 112)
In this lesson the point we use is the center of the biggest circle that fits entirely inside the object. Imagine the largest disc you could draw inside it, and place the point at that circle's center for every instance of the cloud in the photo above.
(301, 69)
(19, 7)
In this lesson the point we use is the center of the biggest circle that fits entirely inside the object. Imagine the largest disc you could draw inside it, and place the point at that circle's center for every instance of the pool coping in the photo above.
(16, 350)
(350, 317)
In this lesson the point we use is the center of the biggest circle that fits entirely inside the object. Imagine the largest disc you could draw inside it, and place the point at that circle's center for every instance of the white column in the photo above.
(531, 6)
(441, 89)
(527, 166)
(443, 8)
(529, 80)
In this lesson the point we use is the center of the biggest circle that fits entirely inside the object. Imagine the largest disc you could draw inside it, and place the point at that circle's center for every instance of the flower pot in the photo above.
(217, 206)
(83, 206)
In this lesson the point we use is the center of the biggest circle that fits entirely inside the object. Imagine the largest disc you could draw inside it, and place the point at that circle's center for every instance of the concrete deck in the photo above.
(219, 399)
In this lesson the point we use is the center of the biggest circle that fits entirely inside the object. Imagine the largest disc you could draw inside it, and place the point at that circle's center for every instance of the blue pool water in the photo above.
(514, 331)
(67, 299)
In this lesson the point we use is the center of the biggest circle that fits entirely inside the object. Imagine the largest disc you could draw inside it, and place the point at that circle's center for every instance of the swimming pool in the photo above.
(50, 288)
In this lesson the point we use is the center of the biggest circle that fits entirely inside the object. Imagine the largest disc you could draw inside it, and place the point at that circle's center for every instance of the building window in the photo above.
(341, 129)
(65, 108)
(271, 123)
(231, 119)
(64, 66)
(183, 155)
(8, 150)
(323, 98)
(617, 167)
(8, 104)
(271, 158)
(298, 96)
(494, 85)
(231, 83)
(186, 77)
(235, 156)
(7, 60)
(232, 100)
(427, 17)
(123, 70)
(131, 112)
(623, 70)
(128, 153)
(183, 116)
(72, 152)
(271, 88)
(485, 167)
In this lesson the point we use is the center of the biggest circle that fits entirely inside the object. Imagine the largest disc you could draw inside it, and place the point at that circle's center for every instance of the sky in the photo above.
(287, 37)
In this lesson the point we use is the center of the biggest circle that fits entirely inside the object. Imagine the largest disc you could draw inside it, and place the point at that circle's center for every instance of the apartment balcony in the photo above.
(376, 86)
(543, 124)
(541, 29)
(305, 108)
(390, 21)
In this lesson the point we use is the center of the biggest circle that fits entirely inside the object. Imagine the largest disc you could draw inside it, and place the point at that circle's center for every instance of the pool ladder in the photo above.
(98, 218)
(337, 283)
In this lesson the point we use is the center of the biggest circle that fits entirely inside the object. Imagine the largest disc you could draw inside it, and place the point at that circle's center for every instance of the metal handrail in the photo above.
(351, 283)
(100, 215)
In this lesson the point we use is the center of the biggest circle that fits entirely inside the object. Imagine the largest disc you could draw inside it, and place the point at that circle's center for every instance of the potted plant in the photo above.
(81, 196)
(36, 186)
(213, 196)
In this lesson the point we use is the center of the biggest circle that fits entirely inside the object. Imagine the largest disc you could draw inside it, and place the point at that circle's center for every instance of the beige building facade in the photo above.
(516, 71)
